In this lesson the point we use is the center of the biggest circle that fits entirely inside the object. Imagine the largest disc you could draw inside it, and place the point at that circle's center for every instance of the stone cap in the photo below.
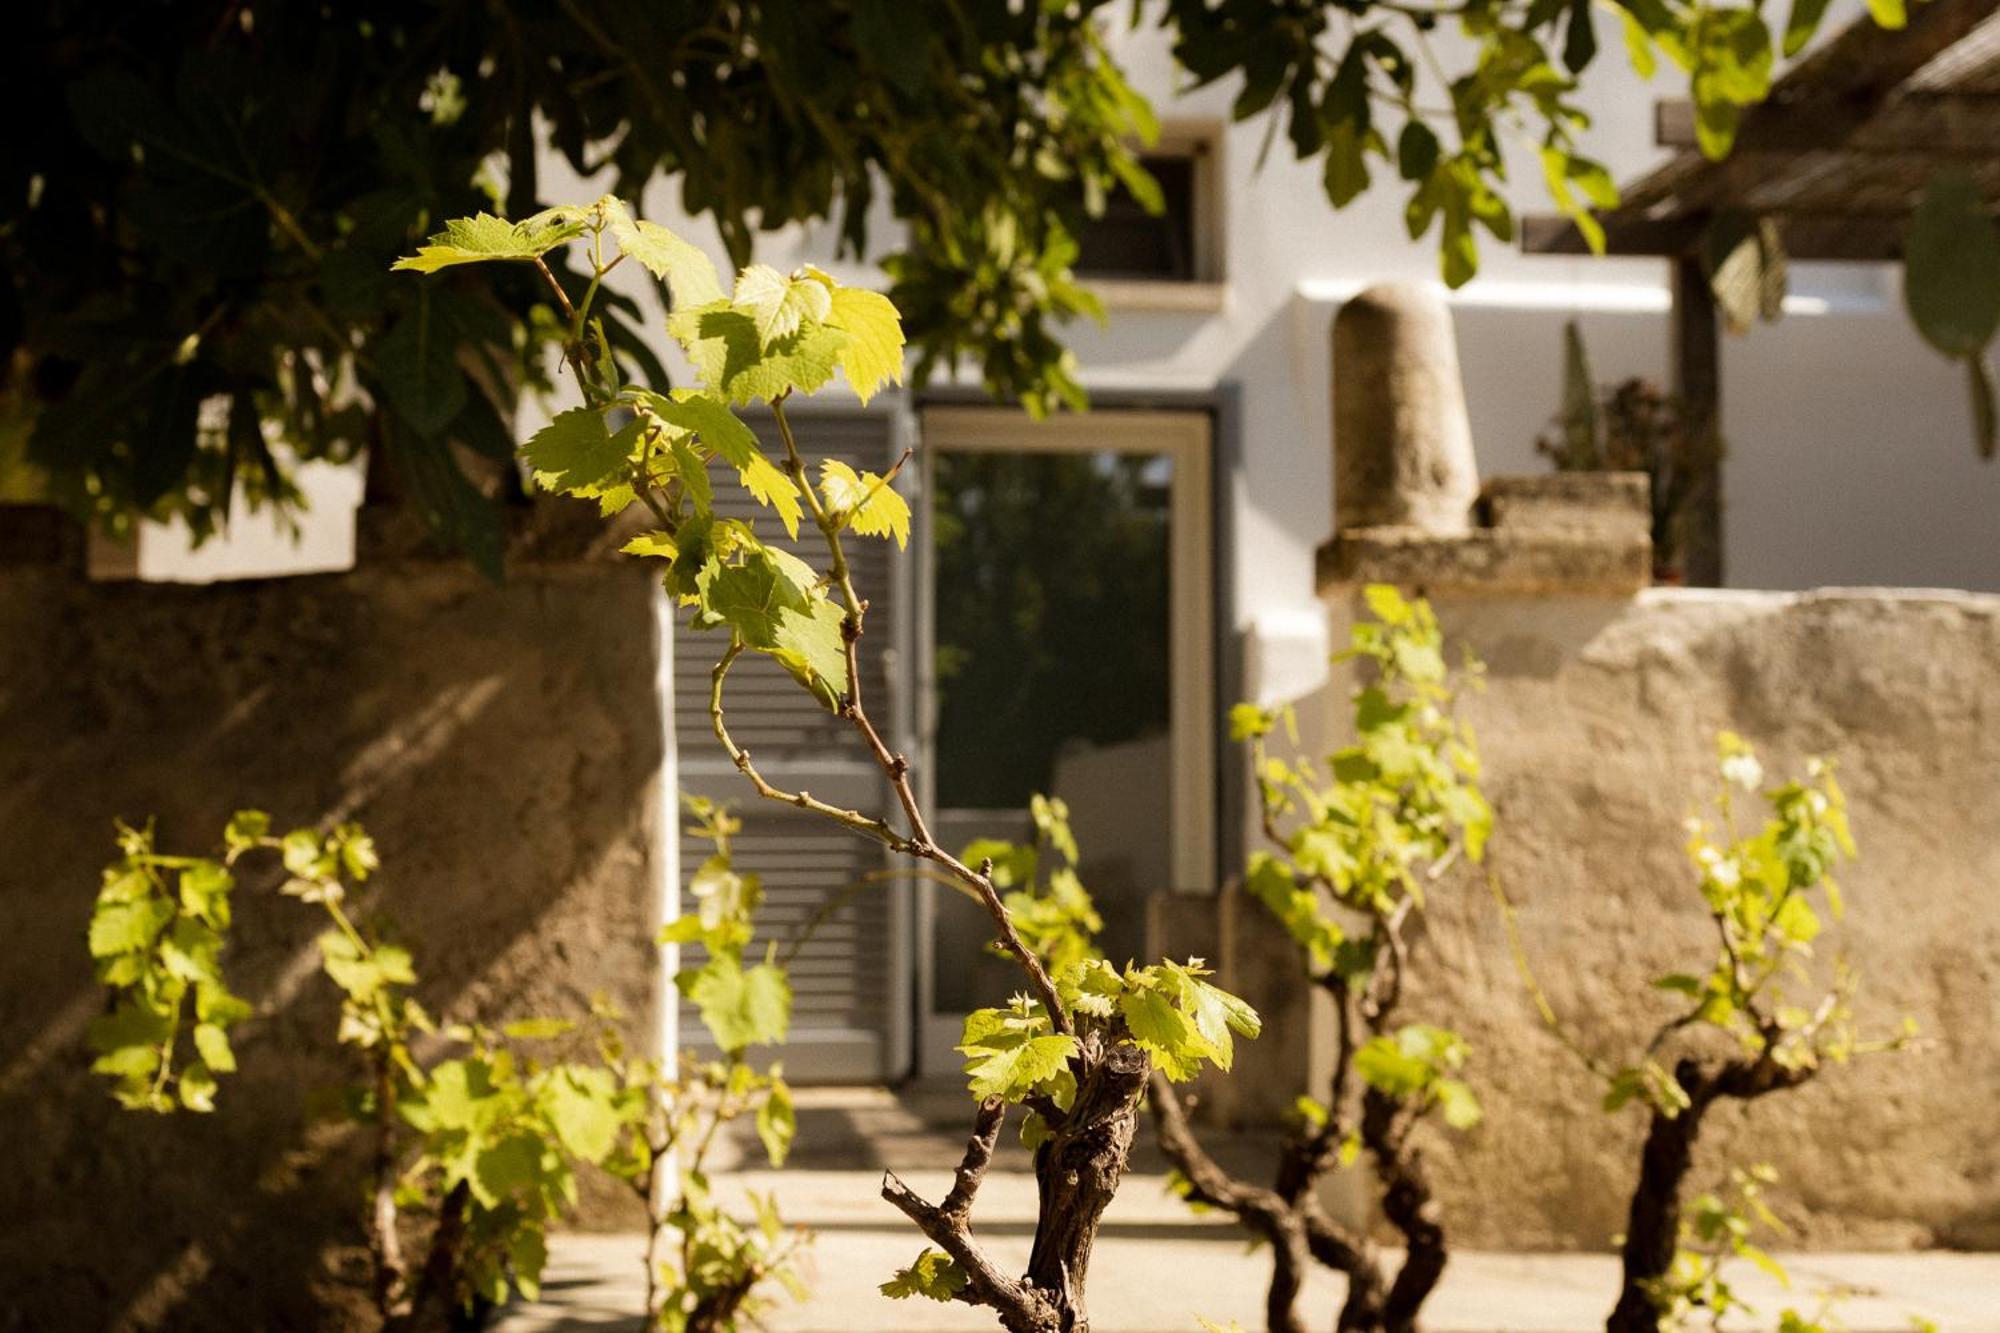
(1614, 505)
(1576, 533)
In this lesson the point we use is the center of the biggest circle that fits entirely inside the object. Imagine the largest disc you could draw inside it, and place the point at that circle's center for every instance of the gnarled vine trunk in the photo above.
(1408, 1203)
(1653, 1226)
(1077, 1172)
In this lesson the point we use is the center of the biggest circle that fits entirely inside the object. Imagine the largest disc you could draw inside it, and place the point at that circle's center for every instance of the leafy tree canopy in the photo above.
(205, 197)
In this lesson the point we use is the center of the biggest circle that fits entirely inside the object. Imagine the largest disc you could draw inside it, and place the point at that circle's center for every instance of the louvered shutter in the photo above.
(848, 977)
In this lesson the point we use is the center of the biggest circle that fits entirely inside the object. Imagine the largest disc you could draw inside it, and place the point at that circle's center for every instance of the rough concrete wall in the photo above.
(1598, 730)
(501, 743)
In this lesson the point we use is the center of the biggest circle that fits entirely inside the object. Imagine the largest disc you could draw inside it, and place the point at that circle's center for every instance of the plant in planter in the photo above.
(1742, 1029)
(1631, 426)
(475, 1140)
(1356, 847)
(1078, 1046)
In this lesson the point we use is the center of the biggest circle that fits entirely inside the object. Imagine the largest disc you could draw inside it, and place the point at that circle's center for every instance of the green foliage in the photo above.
(1951, 283)
(1718, 1227)
(933, 1276)
(156, 938)
(725, 1262)
(775, 336)
(490, 1128)
(1050, 908)
(477, 239)
(1415, 1065)
(740, 1006)
(1180, 1020)
(1382, 816)
(1770, 891)
(199, 235)
(1355, 844)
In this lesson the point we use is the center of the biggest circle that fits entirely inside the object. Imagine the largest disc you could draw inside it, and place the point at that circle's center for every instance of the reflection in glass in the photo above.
(1052, 624)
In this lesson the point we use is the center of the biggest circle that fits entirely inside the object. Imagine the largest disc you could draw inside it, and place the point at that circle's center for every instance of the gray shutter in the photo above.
(846, 1013)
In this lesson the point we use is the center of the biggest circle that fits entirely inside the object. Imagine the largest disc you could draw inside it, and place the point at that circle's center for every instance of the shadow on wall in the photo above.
(500, 743)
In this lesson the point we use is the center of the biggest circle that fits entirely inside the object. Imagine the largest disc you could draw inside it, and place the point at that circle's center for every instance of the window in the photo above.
(1133, 257)
(1129, 242)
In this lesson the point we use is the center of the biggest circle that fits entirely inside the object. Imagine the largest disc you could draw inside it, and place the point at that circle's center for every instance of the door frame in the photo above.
(1188, 437)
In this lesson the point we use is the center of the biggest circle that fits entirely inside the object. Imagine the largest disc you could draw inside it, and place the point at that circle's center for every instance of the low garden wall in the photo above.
(1598, 728)
(502, 744)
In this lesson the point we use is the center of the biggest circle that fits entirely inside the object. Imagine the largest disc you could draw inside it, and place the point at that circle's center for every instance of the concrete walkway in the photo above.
(1157, 1267)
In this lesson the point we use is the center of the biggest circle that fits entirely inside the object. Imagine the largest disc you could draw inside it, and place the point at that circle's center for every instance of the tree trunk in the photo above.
(1407, 1203)
(1077, 1172)
(434, 1303)
(1653, 1228)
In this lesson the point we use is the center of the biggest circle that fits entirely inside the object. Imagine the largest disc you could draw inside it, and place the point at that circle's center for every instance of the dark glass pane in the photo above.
(1052, 670)
(1051, 617)
(1129, 242)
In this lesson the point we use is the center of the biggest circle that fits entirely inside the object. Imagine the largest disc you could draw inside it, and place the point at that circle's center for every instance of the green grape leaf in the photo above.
(1383, 1064)
(1803, 23)
(537, 1029)
(751, 598)
(741, 1007)
(721, 430)
(204, 893)
(130, 1025)
(211, 1043)
(1008, 1065)
(777, 1120)
(577, 452)
(872, 505)
(583, 1109)
(873, 355)
(811, 648)
(679, 263)
(1889, 13)
(197, 1087)
(652, 544)
(484, 237)
(1951, 266)
(1215, 1014)
(933, 1275)
(128, 927)
(504, 1169)
(730, 357)
(779, 306)
(246, 829)
(1461, 1108)
(708, 417)
(1162, 1029)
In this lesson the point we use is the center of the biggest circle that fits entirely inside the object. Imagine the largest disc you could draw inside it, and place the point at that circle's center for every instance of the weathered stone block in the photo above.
(1402, 443)
(1615, 506)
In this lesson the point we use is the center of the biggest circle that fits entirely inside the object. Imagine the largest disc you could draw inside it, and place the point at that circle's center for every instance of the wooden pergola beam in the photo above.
(1941, 125)
(1833, 91)
(1844, 237)
(1696, 332)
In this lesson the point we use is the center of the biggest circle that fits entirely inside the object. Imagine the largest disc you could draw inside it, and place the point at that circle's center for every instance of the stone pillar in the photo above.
(1402, 446)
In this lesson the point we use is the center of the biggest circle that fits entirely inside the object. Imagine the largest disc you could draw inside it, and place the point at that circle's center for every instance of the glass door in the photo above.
(1066, 647)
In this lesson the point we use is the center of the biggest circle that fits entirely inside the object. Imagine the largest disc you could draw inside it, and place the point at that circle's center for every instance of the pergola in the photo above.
(1837, 157)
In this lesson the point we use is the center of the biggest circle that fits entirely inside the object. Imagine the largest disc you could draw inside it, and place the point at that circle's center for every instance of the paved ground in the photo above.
(1157, 1266)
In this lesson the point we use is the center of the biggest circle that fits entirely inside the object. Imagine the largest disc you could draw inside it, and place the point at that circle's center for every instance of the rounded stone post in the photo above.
(1402, 447)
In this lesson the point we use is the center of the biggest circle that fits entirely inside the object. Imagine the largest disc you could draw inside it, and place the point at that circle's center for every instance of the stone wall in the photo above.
(1598, 729)
(501, 742)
